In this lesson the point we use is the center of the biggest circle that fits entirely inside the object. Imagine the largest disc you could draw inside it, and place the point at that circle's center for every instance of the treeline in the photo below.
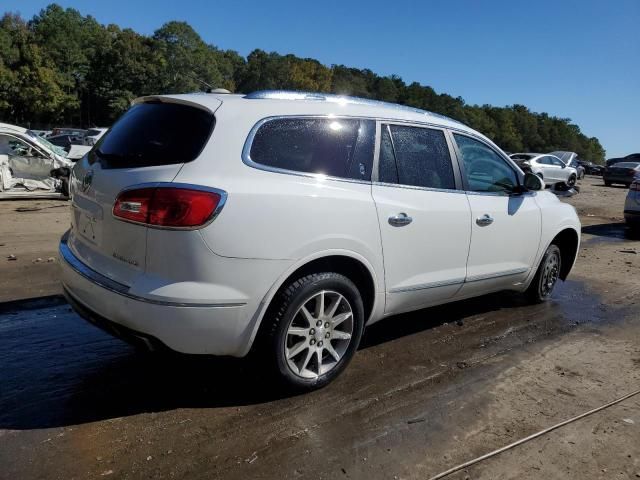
(61, 67)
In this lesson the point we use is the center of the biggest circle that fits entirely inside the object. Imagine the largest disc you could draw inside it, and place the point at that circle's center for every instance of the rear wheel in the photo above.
(314, 330)
(607, 183)
(546, 277)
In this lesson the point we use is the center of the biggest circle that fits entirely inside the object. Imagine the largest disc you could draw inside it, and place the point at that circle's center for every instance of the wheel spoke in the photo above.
(338, 319)
(338, 335)
(319, 360)
(292, 352)
(320, 305)
(307, 315)
(305, 363)
(298, 331)
(334, 306)
(332, 351)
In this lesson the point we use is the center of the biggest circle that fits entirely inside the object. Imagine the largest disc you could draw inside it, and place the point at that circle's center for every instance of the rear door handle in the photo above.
(484, 220)
(400, 220)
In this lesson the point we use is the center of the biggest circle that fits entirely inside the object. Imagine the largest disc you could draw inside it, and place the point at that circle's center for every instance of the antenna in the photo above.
(193, 77)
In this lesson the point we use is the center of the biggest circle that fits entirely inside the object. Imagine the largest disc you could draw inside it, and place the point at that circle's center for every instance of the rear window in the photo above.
(331, 146)
(627, 164)
(151, 134)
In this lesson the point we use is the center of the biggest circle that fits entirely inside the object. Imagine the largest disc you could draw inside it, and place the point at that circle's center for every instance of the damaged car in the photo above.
(31, 166)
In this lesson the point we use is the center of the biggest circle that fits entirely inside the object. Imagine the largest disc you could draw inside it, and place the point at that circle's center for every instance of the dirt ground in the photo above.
(427, 391)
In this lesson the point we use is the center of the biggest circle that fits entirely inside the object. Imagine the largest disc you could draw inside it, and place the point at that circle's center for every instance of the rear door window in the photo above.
(335, 147)
(151, 134)
(422, 157)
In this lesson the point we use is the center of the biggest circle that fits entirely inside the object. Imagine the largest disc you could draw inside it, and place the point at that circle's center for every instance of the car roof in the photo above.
(284, 102)
(14, 128)
(529, 153)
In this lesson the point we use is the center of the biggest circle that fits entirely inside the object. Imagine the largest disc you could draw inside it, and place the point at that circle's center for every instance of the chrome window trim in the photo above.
(447, 130)
(186, 186)
(246, 149)
(116, 287)
(415, 187)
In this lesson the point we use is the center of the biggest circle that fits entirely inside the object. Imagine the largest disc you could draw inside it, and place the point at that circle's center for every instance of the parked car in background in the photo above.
(591, 168)
(76, 132)
(580, 170)
(30, 166)
(522, 160)
(285, 222)
(41, 133)
(570, 159)
(65, 141)
(549, 168)
(93, 135)
(632, 205)
(622, 173)
(633, 157)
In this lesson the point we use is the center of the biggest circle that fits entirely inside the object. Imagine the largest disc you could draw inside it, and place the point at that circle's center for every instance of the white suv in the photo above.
(284, 222)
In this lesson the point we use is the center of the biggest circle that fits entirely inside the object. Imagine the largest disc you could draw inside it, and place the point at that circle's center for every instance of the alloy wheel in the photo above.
(550, 274)
(319, 334)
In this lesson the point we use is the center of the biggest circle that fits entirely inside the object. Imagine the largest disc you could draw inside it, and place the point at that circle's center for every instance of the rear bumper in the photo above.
(626, 180)
(216, 329)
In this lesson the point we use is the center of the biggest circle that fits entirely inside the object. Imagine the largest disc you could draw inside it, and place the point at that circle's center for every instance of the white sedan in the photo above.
(549, 168)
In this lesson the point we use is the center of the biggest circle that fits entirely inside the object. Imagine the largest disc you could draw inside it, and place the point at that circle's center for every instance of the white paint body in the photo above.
(206, 291)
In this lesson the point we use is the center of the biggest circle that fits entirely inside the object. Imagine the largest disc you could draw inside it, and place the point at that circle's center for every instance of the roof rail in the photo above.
(340, 99)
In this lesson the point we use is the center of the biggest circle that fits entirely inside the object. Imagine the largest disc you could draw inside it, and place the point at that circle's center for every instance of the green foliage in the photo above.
(65, 67)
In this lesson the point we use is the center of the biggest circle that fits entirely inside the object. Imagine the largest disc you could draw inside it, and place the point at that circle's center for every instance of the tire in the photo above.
(548, 273)
(571, 181)
(301, 361)
(607, 183)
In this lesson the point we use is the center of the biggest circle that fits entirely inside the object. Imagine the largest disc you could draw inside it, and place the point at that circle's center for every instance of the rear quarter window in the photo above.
(335, 147)
(151, 134)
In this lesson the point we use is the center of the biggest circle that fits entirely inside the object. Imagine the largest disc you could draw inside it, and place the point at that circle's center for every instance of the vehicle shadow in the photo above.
(614, 231)
(59, 371)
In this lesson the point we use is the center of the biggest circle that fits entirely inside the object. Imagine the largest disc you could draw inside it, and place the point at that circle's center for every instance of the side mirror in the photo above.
(533, 182)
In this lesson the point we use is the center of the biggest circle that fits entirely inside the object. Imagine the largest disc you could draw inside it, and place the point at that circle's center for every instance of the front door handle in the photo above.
(400, 220)
(484, 220)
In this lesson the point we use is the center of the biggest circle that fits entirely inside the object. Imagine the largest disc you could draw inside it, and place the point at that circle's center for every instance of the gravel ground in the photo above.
(426, 391)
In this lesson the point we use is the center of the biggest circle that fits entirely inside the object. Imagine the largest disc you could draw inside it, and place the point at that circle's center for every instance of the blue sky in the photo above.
(573, 59)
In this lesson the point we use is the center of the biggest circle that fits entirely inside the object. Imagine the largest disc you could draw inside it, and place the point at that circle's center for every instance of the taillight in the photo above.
(170, 207)
(635, 186)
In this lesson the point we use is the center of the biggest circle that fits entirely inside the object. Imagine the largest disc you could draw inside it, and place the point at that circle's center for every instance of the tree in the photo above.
(65, 67)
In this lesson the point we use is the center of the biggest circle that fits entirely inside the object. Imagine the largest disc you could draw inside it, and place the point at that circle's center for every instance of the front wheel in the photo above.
(546, 277)
(571, 181)
(314, 330)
